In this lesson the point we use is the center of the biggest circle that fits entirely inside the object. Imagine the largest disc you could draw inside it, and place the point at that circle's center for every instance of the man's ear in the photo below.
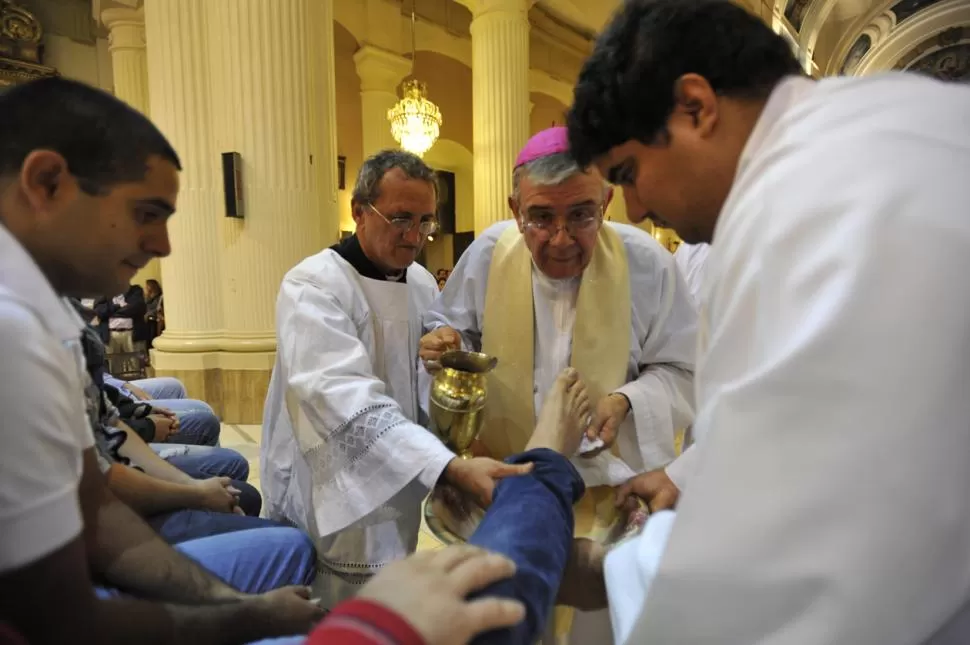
(45, 179)
(695, 99)
(610, 191)
(356, 211)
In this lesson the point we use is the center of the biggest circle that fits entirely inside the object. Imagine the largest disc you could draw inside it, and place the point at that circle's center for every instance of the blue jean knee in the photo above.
(257, 560)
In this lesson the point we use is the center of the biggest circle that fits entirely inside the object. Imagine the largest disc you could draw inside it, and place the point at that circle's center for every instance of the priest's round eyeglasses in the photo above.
(404, 224)
(577, 223)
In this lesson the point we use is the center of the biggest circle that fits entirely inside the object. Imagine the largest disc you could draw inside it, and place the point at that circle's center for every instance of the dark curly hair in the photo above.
(625, 90)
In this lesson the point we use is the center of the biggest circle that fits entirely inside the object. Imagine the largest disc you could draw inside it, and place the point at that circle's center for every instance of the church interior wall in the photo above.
(78, 47)
(546, 112)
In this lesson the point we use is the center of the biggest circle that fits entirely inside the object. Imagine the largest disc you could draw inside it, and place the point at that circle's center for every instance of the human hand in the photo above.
(165, 412)
(164, 426)
(217, 494)
(583, 585)
(654, 487)
(477, 476)
(435, 343)
(285, 612)
(429, 589)
(611, 411)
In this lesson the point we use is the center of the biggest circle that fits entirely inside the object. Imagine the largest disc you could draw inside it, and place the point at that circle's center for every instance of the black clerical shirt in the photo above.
(350, 250)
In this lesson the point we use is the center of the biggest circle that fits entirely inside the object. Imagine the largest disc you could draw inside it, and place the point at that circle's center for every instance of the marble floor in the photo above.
(245, 439)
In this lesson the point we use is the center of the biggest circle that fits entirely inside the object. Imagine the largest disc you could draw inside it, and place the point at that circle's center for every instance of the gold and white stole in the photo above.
(601, 334)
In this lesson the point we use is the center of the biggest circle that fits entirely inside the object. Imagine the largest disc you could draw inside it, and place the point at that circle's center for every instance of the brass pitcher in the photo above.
(458, 394)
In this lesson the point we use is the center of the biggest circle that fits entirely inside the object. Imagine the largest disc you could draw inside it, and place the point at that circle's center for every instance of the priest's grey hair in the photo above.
(367, 186)
(547, 171)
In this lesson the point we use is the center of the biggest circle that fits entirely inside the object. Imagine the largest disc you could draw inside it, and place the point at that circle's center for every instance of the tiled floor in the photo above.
(245, 439)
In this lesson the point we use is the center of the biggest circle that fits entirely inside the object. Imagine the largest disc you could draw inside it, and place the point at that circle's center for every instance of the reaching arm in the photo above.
(662, 396)
(348, 427)
(462, 301)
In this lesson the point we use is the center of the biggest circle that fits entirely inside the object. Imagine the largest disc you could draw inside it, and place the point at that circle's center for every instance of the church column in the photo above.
(178, 81)
(500, 94)
(380, 74)
(263, 108)
(129, 69)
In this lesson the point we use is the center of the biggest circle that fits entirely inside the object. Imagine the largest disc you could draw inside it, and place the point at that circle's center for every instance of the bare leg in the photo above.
(531, 519)
(564, 415)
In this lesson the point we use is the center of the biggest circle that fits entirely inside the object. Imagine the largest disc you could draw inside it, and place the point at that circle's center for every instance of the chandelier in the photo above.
(415, 121)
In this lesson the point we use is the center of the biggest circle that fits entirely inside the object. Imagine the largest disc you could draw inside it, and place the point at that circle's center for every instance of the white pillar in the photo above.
(129, 57)
(323, 122)
(262, 108)
(129, 70)
(178, 81)
(500, 95)
(380, 73)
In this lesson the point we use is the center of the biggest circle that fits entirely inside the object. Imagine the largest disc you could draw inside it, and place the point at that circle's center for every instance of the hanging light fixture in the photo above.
(415, 121)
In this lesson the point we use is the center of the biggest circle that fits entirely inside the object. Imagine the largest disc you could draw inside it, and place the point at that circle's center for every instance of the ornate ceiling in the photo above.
(830, 36)
(586, 16)
(866, 36)
(841, 36)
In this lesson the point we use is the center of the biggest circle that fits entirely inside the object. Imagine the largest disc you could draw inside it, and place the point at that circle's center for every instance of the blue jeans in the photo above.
(162, 387)
(203, 462)
(187, 524)
(198, 424)
(253, 561)
(531, 522)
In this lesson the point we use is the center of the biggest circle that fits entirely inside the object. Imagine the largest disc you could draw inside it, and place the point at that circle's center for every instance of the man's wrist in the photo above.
(624, 398)
(452, 468)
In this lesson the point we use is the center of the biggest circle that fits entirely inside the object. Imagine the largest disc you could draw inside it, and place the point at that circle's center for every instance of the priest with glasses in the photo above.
(557, 287)
(345, 453)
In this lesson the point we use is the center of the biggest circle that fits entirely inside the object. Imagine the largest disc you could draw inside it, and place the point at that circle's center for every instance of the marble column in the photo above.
(178, 79)
(500, 95)
(129, 69)
(380, 74)
(263, 108)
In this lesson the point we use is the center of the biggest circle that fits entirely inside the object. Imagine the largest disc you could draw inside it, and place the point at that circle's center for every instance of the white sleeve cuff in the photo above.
(681, 469)
(439, 456)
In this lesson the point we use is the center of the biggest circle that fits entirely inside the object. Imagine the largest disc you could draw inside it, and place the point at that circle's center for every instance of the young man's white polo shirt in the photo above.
(43, 424)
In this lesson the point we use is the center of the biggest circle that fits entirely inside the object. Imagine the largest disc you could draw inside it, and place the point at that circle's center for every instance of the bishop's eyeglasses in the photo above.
(405, 223)
(578, 222)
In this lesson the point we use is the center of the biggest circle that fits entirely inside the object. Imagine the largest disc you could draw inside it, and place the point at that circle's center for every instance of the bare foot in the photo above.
(564, 415)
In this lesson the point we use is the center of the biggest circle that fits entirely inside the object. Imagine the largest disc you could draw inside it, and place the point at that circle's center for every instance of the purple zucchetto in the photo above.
(549, 142)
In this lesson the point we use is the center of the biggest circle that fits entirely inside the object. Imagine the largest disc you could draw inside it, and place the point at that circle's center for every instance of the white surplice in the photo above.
(662, 336)
(690, 260)
(829, 500)
(343, 455)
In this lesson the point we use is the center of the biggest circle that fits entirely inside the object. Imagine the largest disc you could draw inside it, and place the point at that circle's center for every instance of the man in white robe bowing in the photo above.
(557, 287)
(828, 500)
(344, 454)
